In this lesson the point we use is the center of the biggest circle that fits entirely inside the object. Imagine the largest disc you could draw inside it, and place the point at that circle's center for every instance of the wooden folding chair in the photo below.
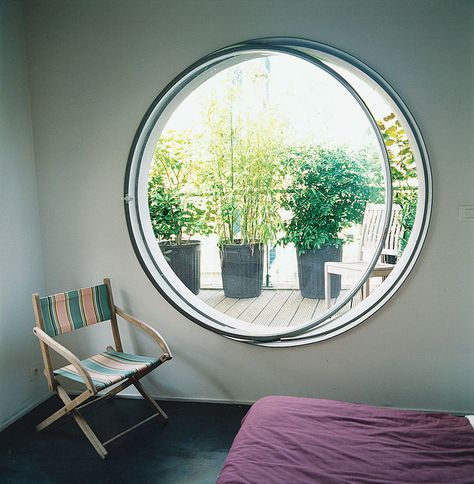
(113, 368)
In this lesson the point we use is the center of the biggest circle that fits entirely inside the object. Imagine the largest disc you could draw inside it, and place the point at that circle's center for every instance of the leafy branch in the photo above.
(403, 170)
(176, 211)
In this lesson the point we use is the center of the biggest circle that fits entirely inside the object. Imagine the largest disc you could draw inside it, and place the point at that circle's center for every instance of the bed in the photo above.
(306, 440)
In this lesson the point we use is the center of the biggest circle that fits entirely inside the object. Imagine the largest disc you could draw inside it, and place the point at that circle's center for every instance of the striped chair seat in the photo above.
(109, 368)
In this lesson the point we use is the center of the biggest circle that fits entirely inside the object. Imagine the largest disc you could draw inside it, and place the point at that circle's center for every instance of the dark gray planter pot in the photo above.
(390, 259)
(185, 260)
(311, 271)
(242, 270)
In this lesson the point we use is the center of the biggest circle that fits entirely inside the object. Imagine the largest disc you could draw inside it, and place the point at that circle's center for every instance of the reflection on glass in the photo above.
(266, 191)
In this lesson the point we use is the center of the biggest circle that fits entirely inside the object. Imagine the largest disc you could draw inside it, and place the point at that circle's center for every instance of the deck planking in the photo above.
(285, 314)
(305, 311)
(257, 306)
(274, 307)
(270, 311)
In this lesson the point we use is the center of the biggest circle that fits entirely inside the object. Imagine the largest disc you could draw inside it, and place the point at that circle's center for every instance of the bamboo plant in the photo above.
(243, 178)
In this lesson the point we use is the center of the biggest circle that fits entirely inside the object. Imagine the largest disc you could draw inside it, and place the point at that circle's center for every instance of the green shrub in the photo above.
(328, 192)
(176, 210)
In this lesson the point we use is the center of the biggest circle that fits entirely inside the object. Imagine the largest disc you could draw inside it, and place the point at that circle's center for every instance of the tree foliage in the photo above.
(403, 170)
(235, 180)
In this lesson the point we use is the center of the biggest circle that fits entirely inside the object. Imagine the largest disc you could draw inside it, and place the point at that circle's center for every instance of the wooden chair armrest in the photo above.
(68, 355)
(149, 330)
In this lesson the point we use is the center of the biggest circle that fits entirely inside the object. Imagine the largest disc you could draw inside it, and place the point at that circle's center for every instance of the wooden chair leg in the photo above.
(150, 400)
(69, 406)
(88, 432)
(83, 425)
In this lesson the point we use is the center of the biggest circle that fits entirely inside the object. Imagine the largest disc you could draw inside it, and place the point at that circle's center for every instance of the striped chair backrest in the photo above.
(72, 310)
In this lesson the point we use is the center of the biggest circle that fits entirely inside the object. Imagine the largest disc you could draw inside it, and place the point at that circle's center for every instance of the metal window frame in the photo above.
(139, 226)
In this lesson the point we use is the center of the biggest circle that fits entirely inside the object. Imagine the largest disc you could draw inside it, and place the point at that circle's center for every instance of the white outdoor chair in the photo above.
(372, 226)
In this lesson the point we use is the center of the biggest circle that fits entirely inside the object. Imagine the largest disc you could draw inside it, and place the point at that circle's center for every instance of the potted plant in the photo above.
(243, 183)
(328, 192)
(175, 208)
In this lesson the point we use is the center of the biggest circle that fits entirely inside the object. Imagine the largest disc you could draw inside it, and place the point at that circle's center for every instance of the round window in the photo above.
(278, 192)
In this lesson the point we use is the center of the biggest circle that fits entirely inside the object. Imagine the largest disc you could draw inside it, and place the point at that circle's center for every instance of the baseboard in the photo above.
(192, 400)
(251, 402)
(161, 398)
(248, 402)
(23, 411)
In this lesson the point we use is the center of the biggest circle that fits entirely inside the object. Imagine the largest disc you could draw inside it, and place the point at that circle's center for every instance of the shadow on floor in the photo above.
(190, 448)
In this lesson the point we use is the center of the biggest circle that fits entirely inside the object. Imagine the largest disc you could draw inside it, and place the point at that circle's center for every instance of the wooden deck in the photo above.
(274, 307)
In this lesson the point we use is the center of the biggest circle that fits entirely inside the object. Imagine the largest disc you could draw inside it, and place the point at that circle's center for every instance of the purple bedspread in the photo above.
(306, 440)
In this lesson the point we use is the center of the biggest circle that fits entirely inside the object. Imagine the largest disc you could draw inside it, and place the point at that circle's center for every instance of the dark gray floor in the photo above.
(190, 448)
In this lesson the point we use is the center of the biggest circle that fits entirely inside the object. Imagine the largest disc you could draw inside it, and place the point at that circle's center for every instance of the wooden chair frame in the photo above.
(72, 406)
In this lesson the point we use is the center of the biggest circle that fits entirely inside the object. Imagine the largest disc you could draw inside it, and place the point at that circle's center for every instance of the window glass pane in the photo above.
(263, 174)
(258, 187)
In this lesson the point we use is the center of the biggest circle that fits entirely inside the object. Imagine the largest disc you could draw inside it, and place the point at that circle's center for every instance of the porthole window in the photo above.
(278, 192)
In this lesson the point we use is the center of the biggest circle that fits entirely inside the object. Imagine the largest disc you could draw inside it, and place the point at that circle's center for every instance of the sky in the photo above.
(316, 108)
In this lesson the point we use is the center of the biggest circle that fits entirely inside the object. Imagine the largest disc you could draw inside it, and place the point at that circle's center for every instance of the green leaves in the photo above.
(176, 210)
(403, 170)
(235, 179)
(328, 191)
(244, 175)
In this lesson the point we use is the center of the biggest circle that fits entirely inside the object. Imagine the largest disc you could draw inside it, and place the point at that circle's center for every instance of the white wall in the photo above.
(20, 248)
(97, 66)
